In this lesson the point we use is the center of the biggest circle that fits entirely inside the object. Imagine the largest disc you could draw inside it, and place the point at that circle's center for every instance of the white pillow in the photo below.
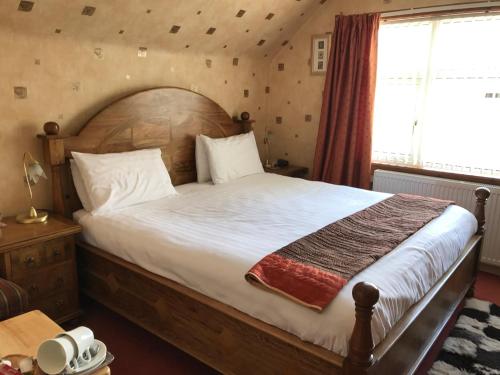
(81, 190)
(123, 179)
(202, 166)
(232, 157)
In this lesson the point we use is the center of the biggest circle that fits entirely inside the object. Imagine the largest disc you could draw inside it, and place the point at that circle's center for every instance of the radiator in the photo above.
(459, 191)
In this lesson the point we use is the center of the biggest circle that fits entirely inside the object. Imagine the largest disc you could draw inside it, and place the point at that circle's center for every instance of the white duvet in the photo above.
(208, 236)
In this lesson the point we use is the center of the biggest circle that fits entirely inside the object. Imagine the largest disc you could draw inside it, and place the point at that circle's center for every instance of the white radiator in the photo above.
(460, 192)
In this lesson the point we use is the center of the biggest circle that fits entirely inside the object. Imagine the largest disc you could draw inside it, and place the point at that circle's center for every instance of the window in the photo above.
(437, 102)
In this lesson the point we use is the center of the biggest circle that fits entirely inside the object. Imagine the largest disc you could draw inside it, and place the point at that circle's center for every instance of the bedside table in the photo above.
(41, 259)
(290, 171)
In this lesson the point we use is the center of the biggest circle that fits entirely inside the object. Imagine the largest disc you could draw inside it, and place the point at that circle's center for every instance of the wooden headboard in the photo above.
(168, 118)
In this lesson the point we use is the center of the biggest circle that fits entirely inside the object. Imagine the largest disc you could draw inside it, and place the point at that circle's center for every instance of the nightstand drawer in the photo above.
(58, 305)
(48, 281)
(34, 257)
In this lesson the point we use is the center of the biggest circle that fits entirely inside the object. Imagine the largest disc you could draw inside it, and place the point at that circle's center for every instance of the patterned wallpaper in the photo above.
(229, 27)
(295, 95)
(64, 60)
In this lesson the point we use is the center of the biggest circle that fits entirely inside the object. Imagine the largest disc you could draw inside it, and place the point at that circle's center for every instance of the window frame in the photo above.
(421, 170)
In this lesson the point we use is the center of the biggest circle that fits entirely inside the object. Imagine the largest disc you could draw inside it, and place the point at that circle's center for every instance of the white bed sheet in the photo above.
(208, 236)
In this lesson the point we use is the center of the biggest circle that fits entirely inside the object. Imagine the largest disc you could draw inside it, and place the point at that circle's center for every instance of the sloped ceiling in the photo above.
(230, 27)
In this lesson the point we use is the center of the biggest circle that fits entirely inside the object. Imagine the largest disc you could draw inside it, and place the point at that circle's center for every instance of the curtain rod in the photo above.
(440, 8)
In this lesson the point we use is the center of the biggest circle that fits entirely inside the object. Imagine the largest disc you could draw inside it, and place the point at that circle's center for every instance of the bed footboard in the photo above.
(409, 341)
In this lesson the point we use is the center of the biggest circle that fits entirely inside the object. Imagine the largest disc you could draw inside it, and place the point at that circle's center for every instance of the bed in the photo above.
(171, 265)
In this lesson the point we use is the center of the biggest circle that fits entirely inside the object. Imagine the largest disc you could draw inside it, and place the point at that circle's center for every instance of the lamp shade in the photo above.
(34, 171)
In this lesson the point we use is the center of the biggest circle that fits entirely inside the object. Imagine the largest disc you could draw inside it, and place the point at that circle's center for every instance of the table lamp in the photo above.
(32, 171)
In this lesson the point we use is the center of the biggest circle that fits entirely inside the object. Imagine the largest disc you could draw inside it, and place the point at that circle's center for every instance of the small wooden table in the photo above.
(24, 333)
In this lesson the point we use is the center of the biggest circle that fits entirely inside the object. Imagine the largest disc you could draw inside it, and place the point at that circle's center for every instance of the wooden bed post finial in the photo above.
(53, 146)
(51, 128)
(482, 194)
(360, 356)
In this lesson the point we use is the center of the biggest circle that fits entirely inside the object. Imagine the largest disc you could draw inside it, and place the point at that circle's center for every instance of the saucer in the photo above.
(98, 352)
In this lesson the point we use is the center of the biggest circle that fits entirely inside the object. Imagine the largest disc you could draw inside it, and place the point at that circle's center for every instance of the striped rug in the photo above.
(473, 346)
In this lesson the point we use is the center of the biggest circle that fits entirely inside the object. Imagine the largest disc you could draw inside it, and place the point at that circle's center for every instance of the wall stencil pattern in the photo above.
(295, 95)
(208, 26)
(68, 59)
(74, 80)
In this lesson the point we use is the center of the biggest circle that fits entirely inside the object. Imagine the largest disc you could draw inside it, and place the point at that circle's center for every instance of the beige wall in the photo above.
(67, 82)
(294, 92)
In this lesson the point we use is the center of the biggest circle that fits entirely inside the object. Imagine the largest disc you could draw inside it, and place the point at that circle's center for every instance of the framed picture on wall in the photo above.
(319, 53)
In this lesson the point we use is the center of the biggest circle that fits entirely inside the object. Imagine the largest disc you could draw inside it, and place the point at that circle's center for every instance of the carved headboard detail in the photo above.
(168, 118)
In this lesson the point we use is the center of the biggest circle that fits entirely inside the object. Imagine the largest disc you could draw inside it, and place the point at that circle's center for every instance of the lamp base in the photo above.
(41, 217)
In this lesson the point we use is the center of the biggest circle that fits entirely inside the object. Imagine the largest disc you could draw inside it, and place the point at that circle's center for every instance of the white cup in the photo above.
(56, 355)
(83, 338)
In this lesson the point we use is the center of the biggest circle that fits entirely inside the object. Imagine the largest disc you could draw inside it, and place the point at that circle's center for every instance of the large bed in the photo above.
(176, 266)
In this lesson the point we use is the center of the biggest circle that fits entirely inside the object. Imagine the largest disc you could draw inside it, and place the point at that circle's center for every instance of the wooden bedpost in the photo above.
(360, 356)
(482, 194)
(53, 148)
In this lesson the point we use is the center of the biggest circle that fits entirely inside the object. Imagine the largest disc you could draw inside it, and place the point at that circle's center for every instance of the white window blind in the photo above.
(437, 101)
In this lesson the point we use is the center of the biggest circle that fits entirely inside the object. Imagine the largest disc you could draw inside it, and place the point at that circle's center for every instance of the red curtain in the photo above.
(343, 149)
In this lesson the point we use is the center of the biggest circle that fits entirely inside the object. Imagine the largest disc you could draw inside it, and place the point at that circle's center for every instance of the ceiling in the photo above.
(232, 27)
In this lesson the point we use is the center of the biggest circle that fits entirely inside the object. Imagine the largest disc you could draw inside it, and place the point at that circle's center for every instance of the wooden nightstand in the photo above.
(41, 259)
(290, 171)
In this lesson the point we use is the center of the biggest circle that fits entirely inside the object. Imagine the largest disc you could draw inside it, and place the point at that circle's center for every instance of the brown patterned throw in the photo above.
(313, 269)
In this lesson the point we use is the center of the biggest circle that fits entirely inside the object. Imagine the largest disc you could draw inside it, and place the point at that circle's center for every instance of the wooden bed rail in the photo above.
(361, 347)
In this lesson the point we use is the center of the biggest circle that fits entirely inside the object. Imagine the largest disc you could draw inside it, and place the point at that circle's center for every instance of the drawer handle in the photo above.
(29, 261)
(56, 253)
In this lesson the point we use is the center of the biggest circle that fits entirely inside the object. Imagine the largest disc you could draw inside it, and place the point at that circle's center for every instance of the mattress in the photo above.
(207, 237)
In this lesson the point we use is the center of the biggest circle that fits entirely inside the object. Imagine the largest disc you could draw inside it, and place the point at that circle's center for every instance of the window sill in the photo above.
(437, 173)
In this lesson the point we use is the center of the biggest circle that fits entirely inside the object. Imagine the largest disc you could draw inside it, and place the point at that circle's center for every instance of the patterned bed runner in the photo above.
(312, 270)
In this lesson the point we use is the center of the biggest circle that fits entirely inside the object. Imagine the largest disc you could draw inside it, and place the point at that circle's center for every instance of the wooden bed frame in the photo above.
(217, 334)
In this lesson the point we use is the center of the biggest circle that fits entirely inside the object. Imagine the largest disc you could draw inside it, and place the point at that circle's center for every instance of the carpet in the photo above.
(473, 346)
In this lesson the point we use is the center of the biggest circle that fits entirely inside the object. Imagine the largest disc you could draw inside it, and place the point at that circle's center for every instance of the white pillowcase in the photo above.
(81, 190)
(233, 157)
(202, 166)
(120, 180)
